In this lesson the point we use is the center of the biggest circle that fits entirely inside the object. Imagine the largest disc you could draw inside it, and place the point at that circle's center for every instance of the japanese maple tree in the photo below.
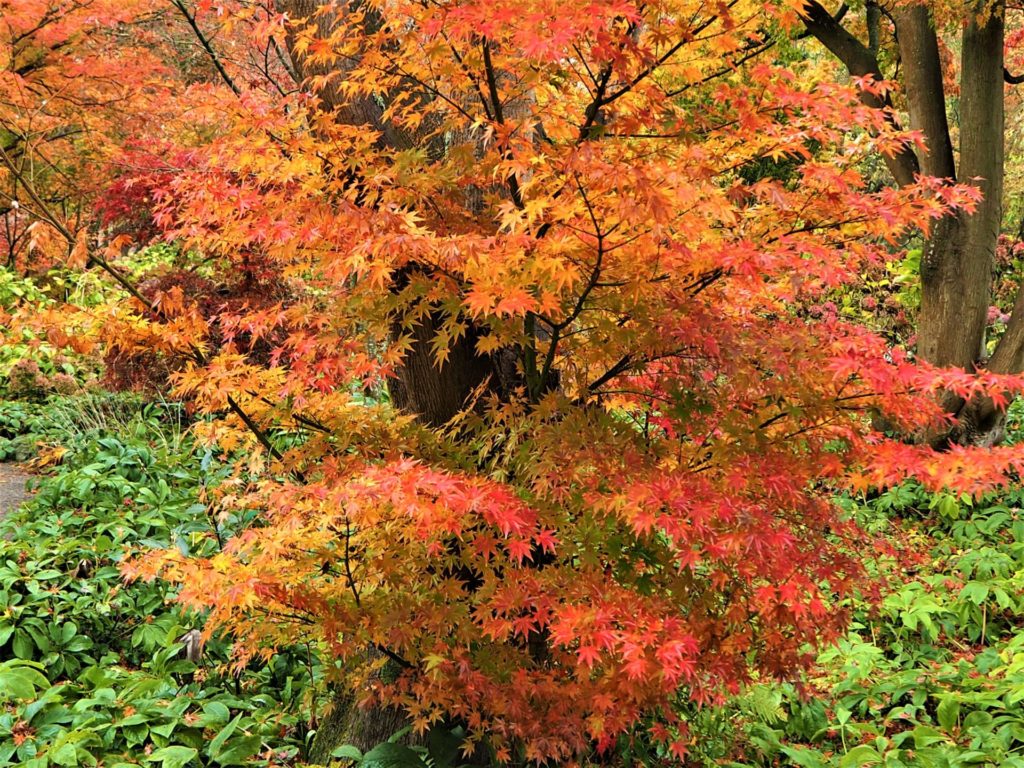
(67, 109)
(510, 330)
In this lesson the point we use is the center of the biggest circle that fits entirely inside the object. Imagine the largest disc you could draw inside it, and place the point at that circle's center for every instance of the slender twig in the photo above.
(207, 46)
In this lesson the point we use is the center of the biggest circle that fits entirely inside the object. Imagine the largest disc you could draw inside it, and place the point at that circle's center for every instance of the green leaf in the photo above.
(948, 713)
(803, 757)
(24, 648)
(164, 729)
(860, 756)
(220, 738)
(977, 719)
(926, 736)
(78, 643)
(348, 752)
(136, 719)
(67, 631)
(239, 751)
(19, 680)
(66, 754)
(173, 757)
(390, 755)
(443, 746)
(215, 713)
(975, 592)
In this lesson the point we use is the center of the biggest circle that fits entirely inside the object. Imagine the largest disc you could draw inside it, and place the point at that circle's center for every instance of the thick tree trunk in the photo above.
(959, 256)
(958, 264)
(922, 80)
(346, 722)
(435, 393)
(957, 268)
(432, 393)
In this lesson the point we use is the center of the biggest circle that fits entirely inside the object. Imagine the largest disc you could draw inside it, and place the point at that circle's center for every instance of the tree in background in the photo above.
(67, 107)
(512, 344)
(958, 263)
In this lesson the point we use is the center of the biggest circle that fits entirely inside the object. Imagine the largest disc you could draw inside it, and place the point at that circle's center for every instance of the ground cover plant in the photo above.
(93, 671)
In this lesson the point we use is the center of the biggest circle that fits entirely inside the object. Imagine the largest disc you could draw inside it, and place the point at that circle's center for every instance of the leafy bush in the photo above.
(95, 669)
(932, 676)
(30, 367)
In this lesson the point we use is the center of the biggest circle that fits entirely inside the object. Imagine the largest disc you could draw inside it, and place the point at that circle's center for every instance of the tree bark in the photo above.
(345, 722)
(959, 255)
(860, 61)
(432, 393)
(981, 162)
(923, 88)
(957, 268)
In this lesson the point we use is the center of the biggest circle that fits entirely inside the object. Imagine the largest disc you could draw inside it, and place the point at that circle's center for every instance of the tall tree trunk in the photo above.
(345, 722)
(432, 393)
(957, 272)
(958, 264)
(959, 255)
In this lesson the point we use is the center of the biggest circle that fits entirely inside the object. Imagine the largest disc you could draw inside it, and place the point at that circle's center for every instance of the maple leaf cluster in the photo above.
(644, 506)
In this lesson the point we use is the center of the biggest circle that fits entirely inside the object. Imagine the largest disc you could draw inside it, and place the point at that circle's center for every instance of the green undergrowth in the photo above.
(932, 676)
(93, 671)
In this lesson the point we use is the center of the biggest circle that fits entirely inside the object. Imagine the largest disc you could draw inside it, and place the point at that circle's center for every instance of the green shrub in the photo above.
(95, 669)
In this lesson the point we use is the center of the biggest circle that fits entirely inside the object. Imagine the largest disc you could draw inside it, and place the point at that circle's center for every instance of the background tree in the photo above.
(66, 107)
(958, 263)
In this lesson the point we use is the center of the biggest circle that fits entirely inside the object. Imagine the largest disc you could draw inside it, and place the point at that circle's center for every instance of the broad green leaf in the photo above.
(173, 757)
(948, 713)
(389, 755)
(860, 756)
(348, 752)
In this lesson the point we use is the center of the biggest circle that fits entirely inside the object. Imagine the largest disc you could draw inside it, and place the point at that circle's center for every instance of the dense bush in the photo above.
(31, 368)
(95, 671)
(932, 676)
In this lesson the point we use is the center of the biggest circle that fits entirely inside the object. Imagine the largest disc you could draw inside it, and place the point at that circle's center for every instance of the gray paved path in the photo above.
(12, 487)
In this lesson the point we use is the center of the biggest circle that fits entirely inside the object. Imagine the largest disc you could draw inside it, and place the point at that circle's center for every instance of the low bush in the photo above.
(96, 671)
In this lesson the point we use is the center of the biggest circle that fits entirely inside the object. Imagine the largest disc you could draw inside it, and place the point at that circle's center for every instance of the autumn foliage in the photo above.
(633, 501)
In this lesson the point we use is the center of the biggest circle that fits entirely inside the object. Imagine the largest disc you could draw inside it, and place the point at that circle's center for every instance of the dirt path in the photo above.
(12, 487)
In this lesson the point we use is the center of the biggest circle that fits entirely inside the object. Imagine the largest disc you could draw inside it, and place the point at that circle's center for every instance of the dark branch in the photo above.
(860, 62)
(207, 46)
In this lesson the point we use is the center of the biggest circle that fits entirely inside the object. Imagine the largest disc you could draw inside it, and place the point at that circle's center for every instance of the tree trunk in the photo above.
(345, 722)
(959, 255)
(958, 264)
(432, 393)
